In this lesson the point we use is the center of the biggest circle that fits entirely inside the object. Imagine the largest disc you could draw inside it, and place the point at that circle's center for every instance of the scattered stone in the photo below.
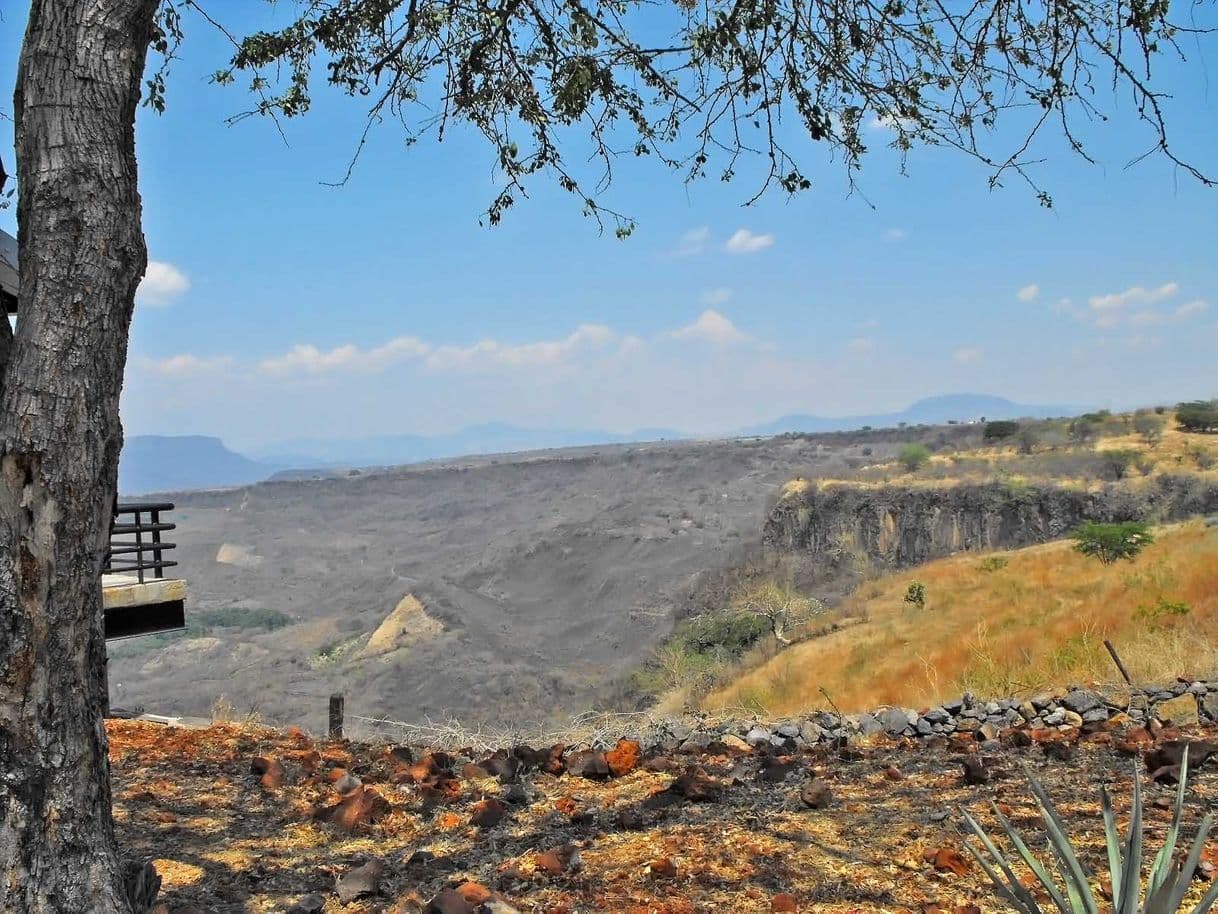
(488, 813)
(976, 772)
(662, 868)
(624, 757)
(588, 764)
(816, 794)
(363, 806)
(1071, 718)
(449, 902)
(776, 768)
(270, 771)
(1080, 701)
(346, 783)
(360, 882)
(310, 904)
(758, 736)
(784, 902)
(893, 773)
(1178, 711)
(697, 786)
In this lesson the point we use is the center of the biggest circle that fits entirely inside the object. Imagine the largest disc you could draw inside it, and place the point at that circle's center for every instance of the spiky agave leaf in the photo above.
(1168, 881)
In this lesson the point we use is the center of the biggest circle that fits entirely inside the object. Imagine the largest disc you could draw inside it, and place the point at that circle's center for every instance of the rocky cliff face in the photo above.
(901, 525)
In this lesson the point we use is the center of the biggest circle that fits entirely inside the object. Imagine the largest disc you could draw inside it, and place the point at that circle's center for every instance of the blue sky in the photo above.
(279, 308)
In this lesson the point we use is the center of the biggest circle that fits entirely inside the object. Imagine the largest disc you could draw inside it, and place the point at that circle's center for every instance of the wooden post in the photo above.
(1117, 660)
(336, 716)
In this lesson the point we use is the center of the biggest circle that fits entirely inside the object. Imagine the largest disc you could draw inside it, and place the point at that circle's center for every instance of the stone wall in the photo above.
(899, 526)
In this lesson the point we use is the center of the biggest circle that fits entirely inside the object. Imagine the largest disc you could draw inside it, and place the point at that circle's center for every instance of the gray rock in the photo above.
(992, 708)
(924, 727)
(1095, 716)
(868, 725)
(1198, 688)
(991, 745)
(1080, 701)
(1042, 702)
(758, 736)
(789, 730)
(827, 721)
(1209, 706)
(811, 732)
(894, 720)
(1055, 718)
(938, 715)
(310, 904)
(360, 882)
(954, 707)
(1071, 719)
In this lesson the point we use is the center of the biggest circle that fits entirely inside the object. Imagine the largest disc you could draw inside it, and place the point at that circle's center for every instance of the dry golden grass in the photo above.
(1038, 622)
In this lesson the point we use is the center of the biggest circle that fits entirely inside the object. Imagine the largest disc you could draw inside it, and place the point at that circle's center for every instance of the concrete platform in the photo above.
(121, 590)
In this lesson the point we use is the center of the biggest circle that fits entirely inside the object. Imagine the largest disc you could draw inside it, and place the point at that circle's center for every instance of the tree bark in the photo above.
(82, 256)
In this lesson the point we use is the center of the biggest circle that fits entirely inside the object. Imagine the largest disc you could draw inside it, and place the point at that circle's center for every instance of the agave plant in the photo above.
(1069, 889)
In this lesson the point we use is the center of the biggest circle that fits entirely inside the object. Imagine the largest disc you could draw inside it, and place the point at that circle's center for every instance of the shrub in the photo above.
(914, 456)
(1028, 439)
(1083, 430)
(1118, 463)
(1112, 542)
(992, 563)
(915, 593)
(1163, 613)
(1149, 426)
(1198, 416)
(1168, 879)
(1000, 430)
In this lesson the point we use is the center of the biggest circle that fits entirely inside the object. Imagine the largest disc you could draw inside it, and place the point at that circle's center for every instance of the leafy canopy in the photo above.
(700, 85)
(1112, 542)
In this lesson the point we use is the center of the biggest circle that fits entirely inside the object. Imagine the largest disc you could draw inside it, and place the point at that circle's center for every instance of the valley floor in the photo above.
(231, 815)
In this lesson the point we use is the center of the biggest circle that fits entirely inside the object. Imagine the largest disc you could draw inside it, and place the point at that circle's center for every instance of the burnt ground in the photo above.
(228, 839)
(552, 573)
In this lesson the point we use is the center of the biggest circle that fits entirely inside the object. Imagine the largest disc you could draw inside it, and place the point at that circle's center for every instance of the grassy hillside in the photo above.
(1002, 624)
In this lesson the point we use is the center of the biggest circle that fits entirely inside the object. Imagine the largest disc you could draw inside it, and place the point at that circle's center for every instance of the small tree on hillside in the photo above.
(783, 607)
(1028, 439)
(1112, 542)
(1083, 430)
(914, 456)
(1000, 430)
(1198, 416)
(1118, 462)
(1149, 426)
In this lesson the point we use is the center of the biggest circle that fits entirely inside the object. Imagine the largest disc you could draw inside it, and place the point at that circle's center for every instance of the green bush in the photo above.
(1112, 542)
(266, 620)
(1162, 613)
(992, 563)
(1149, 426)
(1198, 416)
(1118, 463)
(914, 456)
(1000, 430)
(915, 593)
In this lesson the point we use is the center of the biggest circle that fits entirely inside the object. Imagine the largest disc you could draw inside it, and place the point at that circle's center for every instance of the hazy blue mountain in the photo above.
(931, 411)
(162, 463)
(489, 438)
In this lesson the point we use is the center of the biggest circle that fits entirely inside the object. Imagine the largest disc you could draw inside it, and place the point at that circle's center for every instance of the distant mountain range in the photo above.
(156, 463)
(931, 411)
(165, 463)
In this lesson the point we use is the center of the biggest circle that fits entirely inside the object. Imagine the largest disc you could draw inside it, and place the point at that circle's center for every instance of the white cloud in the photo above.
(711, 327)
(488, 353)
(1028, 292)
(306, 358)
(746, 242)
(1192, 309)
(692, 242)
(719, 296)
(967, 355)
(1135, 295)
(186, 365)
(860, 345)
(896, 234)
(162, 283)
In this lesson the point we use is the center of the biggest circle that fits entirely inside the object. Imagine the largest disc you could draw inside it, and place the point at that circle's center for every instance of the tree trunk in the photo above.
(82, 255)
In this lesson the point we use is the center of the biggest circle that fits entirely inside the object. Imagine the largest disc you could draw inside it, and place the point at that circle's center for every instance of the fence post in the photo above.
(336, 716)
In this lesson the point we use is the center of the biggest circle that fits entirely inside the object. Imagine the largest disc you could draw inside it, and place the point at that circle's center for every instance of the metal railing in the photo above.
(136, 546)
